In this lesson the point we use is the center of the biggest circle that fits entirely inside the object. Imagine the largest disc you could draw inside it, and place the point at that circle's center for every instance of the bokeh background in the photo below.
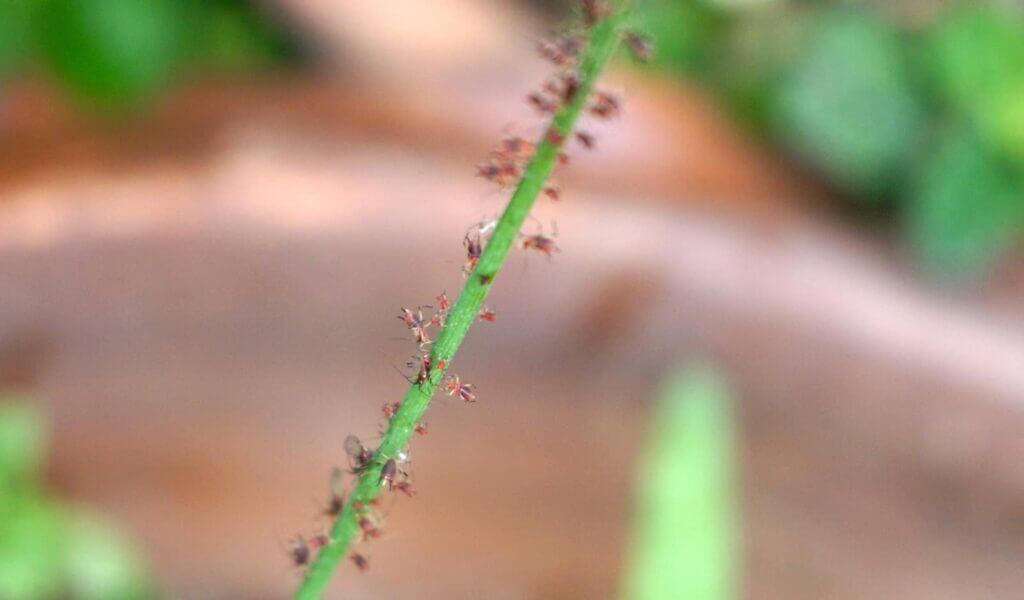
(211, 212)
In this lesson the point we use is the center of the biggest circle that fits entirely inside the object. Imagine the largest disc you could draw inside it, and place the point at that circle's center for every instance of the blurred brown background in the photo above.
(203, 297)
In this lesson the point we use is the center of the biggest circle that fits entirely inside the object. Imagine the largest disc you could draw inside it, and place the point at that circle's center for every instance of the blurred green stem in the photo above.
(602, 42)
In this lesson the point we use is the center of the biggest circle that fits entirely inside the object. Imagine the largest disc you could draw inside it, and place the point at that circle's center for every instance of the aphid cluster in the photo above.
(394, 476)
(504, 166)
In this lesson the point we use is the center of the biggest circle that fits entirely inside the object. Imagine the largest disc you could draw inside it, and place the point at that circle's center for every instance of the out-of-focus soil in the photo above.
(205, 338)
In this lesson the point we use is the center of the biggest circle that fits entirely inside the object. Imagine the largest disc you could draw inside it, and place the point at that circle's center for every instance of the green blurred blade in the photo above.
(966, 207)
(21, 440)
(974, 59)
(684, 540)
(848, 106)
(112, 53)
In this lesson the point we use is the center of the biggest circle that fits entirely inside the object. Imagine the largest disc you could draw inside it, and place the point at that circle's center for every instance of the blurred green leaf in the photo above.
(233, 35)
(684, 32)
(974, 57)
(31, 548)
(15, 36)
(848, 107)
(111, 53)
(102, 562)
(754, 54)
(973, 53)
(685, 528)
(21, 440)
(966, 207)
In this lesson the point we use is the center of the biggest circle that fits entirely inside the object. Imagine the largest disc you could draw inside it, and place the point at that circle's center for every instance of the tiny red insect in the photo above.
(541, 103)
(640, 46)
(604, 105)
(552, 191)
(420, 429)
(405, 486)
(570, 85)
(389, 409)
(319, 541)
(298, 551)
(453, 386)
(585, 139)
(387, 473)
(502, 172)
(443, 306)
(562, 50)
(359, 454)
(514, 148)
(414, 321)
(487, 314)
(541, 243)
(336, 500)
(594, 11)
(368, 527)
(360, 562)
(474, 249)
(554, 138)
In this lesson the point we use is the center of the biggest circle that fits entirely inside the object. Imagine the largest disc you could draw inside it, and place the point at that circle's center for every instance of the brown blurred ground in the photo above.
(205, 301)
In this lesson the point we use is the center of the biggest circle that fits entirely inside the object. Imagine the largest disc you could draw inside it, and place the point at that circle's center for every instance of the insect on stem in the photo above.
(579, 60)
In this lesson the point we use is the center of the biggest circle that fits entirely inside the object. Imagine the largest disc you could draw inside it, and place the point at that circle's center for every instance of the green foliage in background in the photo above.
(49, 549)
(965, 206)
(685, 542)
(121, 54)
(847, 103)
(923, 116)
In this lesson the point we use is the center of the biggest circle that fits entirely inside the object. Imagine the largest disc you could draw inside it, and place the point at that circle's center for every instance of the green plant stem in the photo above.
(602, 41)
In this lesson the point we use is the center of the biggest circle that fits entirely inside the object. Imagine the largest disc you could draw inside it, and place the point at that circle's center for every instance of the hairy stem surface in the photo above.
(603, 39)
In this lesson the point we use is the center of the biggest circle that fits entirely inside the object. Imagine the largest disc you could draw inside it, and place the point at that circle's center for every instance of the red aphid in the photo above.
(369, 529)
(640, 46)
(298, 551)
(594, 11)
(585, 139)
(414, 321)
(570, 85)
(359, 454)
(442, 302)
(604, 105)
(319, 541)
(474, 248)
(552, 191)
(554, 138)
(443, 306)
(360, 561)
(504, 173)
(560, 51)
(541, 243)
(454, 387)
(424, 373)
(387, 473)
(420, 429)
(442, 364)
(389, 409)
(405, 486)
(563, 88)
(487, 314)
(337, 498)
(541, 103)
(358, 506)
(514, 148)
